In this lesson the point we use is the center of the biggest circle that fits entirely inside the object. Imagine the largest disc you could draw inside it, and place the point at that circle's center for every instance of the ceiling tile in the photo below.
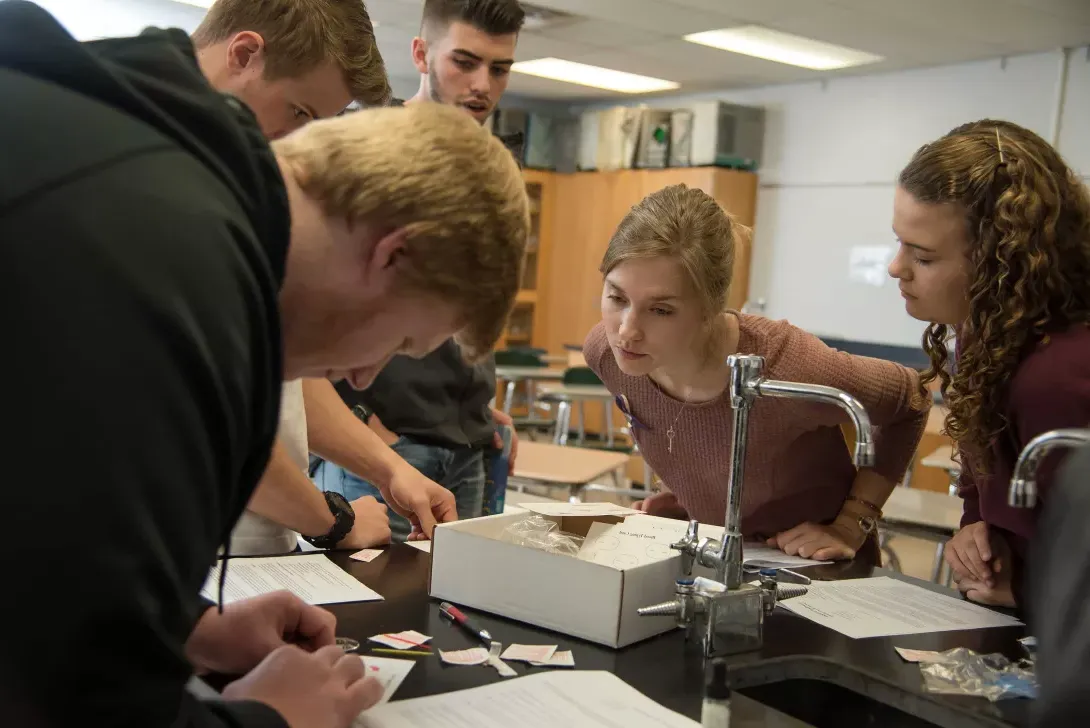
(387, 12)
(600, 33)
(997, 22)
(750, 11)
(1077, 11)
(702, 62)
(902, 40)
(533, 45)
(657, 16)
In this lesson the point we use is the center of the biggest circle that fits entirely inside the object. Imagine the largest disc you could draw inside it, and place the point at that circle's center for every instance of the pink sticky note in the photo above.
(366, 555)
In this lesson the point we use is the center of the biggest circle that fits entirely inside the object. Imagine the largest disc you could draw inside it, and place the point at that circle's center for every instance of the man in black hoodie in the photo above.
(166, 271)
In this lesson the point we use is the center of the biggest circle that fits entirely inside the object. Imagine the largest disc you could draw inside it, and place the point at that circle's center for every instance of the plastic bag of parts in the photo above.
(963, 672)
(540, 533)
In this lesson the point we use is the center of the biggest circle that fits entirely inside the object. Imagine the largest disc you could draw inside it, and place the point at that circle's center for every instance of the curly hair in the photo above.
(1028, 223)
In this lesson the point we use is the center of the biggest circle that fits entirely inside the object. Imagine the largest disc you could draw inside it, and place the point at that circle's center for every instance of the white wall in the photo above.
(832, 153)
(89, 19)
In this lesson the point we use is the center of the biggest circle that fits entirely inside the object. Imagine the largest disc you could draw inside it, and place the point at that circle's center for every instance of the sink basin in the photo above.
(826, 705)
(828, 694)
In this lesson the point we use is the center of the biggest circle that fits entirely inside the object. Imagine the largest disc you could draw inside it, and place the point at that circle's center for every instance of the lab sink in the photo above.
(827, 705)
(827, 694)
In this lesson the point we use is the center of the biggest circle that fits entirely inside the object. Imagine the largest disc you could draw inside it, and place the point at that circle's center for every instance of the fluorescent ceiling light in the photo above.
(558, 69)
(772, 45)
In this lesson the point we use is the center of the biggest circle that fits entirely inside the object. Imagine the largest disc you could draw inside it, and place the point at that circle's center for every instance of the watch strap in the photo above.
(344, 518)
(363, 412)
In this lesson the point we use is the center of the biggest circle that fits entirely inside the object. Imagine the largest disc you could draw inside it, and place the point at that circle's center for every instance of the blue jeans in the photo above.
(459, 470)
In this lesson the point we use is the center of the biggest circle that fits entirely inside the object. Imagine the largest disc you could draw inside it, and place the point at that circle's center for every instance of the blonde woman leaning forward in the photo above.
(663, 342)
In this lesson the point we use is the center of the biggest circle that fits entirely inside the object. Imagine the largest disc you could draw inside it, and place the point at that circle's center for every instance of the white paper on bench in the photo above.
(753, 554)
(578, 509)
(311, 577)
(584, 699)
(880, 606)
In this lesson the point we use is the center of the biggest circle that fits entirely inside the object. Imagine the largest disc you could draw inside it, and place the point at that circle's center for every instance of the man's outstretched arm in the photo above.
(286, 496)
(340, 437)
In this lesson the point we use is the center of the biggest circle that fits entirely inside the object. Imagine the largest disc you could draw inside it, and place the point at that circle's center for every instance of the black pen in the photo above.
(458, 616)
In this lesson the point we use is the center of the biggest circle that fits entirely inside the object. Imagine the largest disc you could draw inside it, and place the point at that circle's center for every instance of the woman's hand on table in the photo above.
(234, 642)
(969, 554)
(663, 505)
(836, 542)
(324, 689)
(996, 591)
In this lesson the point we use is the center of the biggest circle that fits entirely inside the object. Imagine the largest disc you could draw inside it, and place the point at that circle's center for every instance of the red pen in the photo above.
(457, 615)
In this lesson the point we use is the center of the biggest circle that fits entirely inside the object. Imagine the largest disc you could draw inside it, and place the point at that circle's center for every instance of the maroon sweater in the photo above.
(1050, 390)
(797, 465)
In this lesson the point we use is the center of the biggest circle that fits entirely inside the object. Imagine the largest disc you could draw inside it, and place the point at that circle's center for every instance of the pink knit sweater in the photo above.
(798, 466)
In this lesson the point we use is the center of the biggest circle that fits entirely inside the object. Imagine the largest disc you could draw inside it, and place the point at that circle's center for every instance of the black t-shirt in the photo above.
(143, 235)
(439, 399)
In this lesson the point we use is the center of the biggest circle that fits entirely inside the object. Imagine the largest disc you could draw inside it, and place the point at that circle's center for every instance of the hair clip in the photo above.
(626, 410)
(999, 144)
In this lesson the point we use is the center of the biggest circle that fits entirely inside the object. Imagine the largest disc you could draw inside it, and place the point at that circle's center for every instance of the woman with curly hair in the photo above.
(994, 232)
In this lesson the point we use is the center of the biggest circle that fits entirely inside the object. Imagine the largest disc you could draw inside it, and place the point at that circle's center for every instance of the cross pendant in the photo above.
(670, 439)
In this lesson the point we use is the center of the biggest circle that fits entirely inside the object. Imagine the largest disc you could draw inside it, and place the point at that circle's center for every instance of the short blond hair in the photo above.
(301, 35)
(686, 224)
(452, 185)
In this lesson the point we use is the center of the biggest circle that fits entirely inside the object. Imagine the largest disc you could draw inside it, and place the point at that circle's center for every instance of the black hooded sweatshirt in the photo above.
(143, 233)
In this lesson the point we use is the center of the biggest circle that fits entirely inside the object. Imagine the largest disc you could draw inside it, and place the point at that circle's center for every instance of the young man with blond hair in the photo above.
(293, 61)
(173, 271)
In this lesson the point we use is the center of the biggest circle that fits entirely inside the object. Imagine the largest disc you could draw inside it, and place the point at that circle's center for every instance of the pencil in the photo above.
(383, 651)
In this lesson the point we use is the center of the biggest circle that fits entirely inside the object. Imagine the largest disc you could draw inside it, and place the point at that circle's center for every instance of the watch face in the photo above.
(337, 500)
(867, 523)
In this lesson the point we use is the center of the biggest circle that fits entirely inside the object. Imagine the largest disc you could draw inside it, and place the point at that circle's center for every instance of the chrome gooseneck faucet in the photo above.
(746, 385)
(728, 615)
(1023, 487)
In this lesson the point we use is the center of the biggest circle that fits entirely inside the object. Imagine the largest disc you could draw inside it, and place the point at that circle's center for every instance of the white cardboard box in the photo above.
(471, 566)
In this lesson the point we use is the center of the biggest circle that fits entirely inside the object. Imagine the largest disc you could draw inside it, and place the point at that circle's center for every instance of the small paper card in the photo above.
(472, 656)
(402, 640)
(918, 655)
(559, 659)
(387, 671)
(366, 555)
(529, 653)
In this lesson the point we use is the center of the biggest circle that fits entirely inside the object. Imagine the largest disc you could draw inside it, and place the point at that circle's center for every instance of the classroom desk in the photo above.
(567, 394)
(513, 375)
(924, 514)
(571, 467)
(659, 667)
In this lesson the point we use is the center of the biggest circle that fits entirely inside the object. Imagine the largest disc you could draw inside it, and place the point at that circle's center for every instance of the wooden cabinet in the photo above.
(528, 321)
(587, 206)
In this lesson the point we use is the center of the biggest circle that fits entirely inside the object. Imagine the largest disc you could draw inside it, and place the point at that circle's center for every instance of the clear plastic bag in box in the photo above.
(537, 532)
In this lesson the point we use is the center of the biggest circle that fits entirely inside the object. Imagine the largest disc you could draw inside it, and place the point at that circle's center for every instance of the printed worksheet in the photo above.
(753, 554)
(584, 699)
(311, 577)
(623, 546)
(881, 606)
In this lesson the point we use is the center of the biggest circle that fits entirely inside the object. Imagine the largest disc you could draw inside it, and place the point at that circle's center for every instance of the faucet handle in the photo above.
(687, 546)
